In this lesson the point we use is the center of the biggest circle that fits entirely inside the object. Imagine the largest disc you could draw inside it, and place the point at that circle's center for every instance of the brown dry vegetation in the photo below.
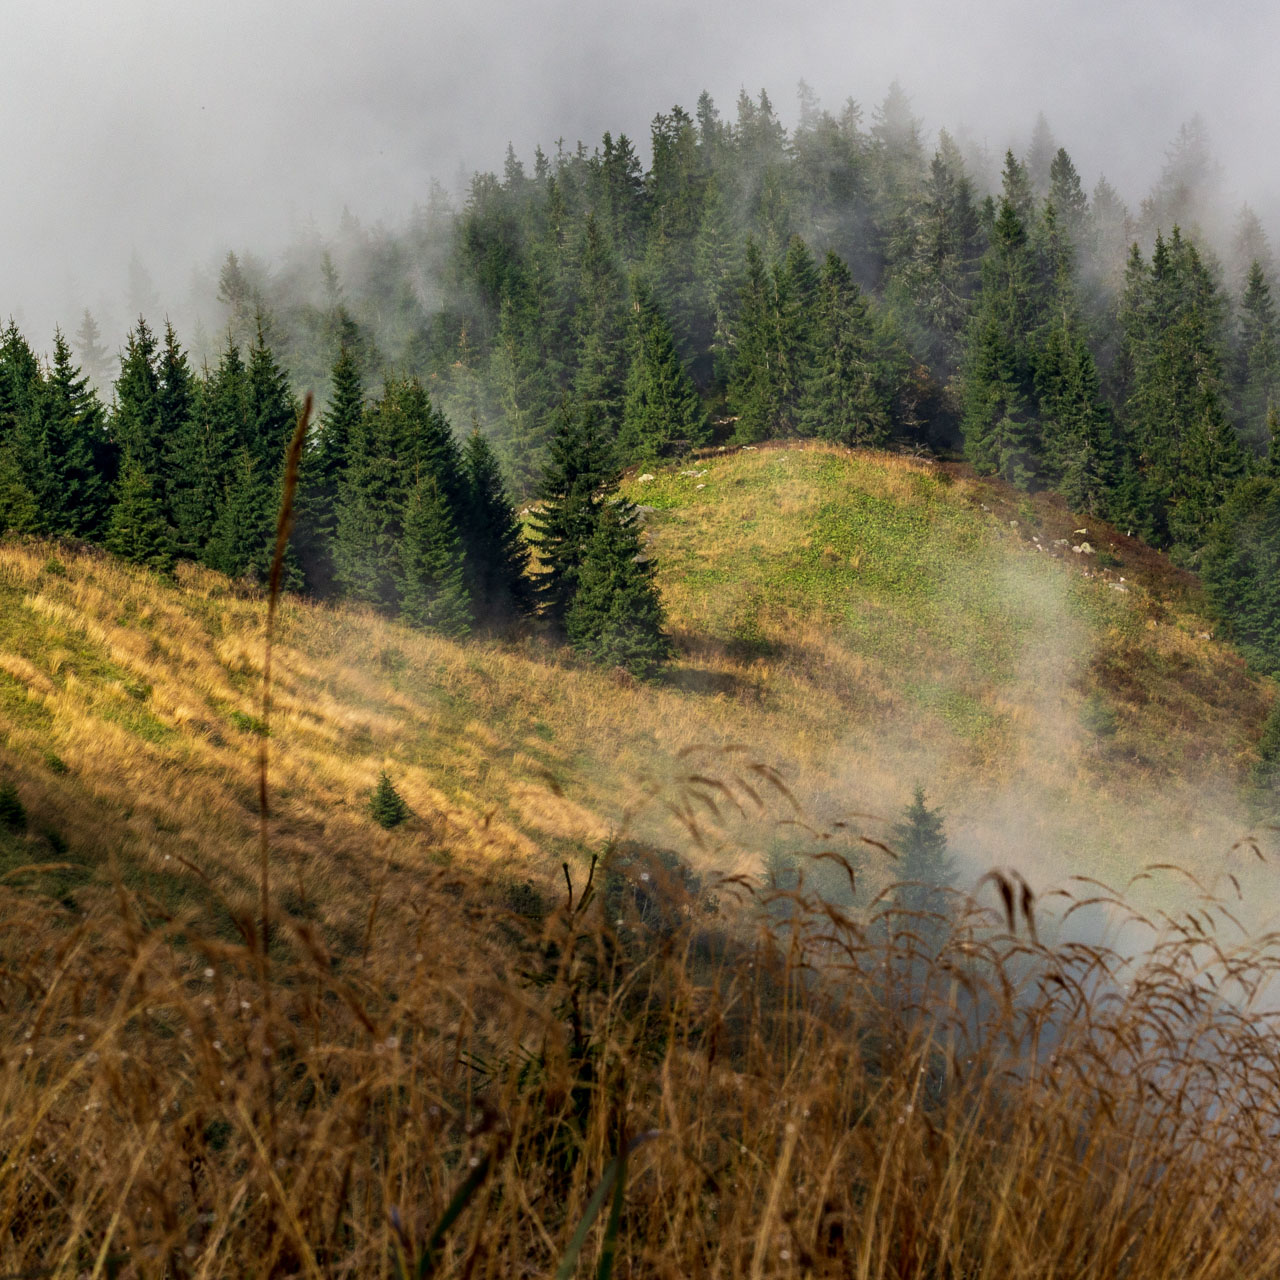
(444, 1022)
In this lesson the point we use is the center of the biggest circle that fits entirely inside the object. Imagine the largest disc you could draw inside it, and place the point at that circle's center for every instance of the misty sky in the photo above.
(176, 130)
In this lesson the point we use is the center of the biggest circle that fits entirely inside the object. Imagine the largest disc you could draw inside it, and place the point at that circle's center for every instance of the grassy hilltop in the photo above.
(855, 621)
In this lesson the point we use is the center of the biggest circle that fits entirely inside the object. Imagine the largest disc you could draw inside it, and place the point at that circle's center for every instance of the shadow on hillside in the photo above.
(708, 666)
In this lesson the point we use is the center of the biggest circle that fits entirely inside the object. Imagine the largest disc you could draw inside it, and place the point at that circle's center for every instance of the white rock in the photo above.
(648, 475)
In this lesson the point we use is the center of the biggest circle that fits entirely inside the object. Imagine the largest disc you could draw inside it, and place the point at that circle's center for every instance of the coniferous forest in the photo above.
(838, 280)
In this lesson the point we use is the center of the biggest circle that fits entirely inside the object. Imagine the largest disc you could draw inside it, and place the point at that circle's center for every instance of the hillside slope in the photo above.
(854, 621)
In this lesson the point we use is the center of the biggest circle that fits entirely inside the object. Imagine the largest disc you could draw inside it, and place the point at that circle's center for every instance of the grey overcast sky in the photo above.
(176, 130)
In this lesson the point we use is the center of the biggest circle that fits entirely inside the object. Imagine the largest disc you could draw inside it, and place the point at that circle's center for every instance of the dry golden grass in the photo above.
(852, 679)
(447, 1053)
(800, 1092)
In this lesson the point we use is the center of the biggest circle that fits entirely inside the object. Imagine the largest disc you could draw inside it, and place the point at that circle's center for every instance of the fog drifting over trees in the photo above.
(148, 138)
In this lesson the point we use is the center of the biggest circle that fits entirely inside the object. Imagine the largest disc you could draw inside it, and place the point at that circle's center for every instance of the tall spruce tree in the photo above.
(373, 492)
(95, 359)
(1258, 361)
(497, 559)
(581, 469)
(1241, 571)
(76, 462)
(844, 396)
(616, 616)
(20, 392)
(757, 388)
(137, 530)
(1175, 395)
(242, 538)
(1000, 430)
(433, 594)
(400, 443)
(136, 423)
(661, 413)
(325, 462)
(202, 456)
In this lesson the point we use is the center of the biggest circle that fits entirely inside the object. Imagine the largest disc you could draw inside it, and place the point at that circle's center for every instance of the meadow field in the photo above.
(568, 1017)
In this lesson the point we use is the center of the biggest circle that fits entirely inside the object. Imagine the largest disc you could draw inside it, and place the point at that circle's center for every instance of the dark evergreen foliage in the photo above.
(387, 807)
(75, 462)
(138, 530)
(1241, 569)
(830, 281)
(580, 472)
(497, 559)
(662, 414)
(616, 616)
(433, 594)
(925, 869)
(324, 468)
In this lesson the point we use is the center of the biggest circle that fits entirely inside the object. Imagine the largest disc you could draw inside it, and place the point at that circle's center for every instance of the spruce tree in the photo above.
(1066, 193)
(844, 399)
(18, 510)
(497, 559)
(386, 806)
(1080, 451)
(601, 357)
(398, 443)
(999, 393)
(925, 871)
(756, 389)
(324, 466)
(432, 591)
(661, 412)
(20, 467)
(142, 500)
(206, 450)
(260, 417)
(616, 615)
(1175, 397)
(95, 359)
(775, 336)
(580, 469)
(137, 530)
(1241, 571)
(136, 423)
(75, 457)
(373, 492)
(1258, 362)
(238, 543)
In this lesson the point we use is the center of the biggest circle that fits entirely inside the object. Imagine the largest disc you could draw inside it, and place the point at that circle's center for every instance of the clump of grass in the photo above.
(247, 723)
